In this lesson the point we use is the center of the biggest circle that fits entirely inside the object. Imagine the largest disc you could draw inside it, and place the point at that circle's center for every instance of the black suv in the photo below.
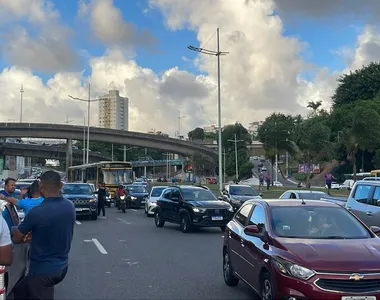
(192, 206)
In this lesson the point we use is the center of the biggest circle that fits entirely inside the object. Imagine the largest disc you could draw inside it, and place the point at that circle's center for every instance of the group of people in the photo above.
(48, 228)
(267, 179)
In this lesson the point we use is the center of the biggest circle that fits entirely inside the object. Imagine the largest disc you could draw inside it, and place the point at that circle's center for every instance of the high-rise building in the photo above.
(114, 111)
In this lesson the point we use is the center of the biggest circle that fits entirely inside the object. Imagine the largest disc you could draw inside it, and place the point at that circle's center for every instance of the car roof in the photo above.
(160, 186)
(293, 202)
(305, 191)
(246, 185)
(190, 187)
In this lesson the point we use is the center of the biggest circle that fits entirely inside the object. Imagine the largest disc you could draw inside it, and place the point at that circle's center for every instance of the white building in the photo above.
(114, 111)
(210, 129)
(254, 127)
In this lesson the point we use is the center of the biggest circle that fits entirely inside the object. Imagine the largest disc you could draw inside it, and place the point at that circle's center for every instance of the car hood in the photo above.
(217, 204)
(334, 255)
(244, 198)
(138, 194)
(77, 196)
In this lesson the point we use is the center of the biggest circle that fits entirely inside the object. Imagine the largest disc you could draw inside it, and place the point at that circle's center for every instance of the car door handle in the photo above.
(369, 213)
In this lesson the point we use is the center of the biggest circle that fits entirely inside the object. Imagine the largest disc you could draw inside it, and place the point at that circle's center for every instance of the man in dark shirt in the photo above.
(102, 194)
(51, 224)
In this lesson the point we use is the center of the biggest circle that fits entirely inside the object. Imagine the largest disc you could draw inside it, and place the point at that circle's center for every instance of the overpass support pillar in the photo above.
(69, 153)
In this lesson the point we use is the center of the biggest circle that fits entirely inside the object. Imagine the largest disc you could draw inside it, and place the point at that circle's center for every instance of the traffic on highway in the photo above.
(303, 245)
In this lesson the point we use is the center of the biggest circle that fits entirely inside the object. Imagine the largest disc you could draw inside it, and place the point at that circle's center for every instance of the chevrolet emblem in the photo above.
(356, 277)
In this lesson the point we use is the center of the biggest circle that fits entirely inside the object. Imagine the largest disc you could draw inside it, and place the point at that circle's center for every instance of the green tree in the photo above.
(314, 106)
(362, 84)
(198, 134)
(202, 165)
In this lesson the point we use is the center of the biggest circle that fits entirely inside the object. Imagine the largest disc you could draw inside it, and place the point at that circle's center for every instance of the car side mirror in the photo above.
(252, 230)
(375, 229)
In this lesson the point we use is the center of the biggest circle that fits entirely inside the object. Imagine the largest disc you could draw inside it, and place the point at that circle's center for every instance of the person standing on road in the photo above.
(102, 194)
(28, 203)
(328, 178)
(267, 180)
(52, 225)
(6, 254)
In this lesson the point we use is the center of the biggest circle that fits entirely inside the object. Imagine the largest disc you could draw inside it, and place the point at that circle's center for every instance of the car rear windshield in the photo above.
(197, 194)
(136, 189)
(312, 196)
(77, 189)
(316, 222)
(157, 191)
(242, 191)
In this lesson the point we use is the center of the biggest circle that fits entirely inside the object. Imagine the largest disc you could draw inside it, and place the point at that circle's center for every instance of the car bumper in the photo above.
(151, 207)
(85, 210)
(139, 202)
(200, 220)
(292, 288)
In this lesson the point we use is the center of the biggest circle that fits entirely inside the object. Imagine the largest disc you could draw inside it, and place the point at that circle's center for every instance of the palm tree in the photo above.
(314, 105)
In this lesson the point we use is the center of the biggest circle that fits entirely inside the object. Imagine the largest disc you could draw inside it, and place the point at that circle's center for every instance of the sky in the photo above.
(281, 55)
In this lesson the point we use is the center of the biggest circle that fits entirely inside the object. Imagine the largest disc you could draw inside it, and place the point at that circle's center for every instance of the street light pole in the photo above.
(89, 100)
(217, 53)
(21, 95)
(236, 155)
(179, 124)
(84, 140)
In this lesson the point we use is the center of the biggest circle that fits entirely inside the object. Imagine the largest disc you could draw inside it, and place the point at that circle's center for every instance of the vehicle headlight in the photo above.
(293, 270)
(230, 208)
(199, 210)
(93, 200)
(133, 198)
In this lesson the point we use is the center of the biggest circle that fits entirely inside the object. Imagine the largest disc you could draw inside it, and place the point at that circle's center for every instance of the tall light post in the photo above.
(89, 100)
(21, 96)
(179, 124)
(216, 53)
(84, 140)
(236, 155)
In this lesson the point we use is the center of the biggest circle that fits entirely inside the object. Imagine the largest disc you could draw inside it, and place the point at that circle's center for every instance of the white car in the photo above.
(151, 201)
(263, 168)
(334, 186)
(277, 183)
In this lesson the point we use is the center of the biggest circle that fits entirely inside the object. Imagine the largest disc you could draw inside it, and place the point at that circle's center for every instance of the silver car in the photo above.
(151, 202)
(18, 268)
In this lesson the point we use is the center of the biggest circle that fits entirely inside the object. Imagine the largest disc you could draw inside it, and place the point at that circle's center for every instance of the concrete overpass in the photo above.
(70, 132)
(48, 152)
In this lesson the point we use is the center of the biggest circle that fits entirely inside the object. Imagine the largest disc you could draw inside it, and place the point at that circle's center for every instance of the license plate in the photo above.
(143, 201)
(217, 218)
(79, 209)
(359, 298)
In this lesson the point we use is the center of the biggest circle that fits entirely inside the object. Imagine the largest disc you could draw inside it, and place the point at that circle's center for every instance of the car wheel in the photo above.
(266, 290)
(94, 217)
(223, 228)
(185, 223)
(229, 278)
(158, 219)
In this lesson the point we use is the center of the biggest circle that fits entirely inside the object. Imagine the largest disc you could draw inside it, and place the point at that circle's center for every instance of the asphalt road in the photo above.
(269, 167)
(127, 257)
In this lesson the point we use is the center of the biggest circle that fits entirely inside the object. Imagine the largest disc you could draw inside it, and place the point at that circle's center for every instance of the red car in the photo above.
(301, 249)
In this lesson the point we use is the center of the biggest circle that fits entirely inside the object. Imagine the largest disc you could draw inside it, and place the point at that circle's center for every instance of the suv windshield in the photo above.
(197, 194)
(157, 191)
(136, 189)
(316, 222)
(312, 196)
(242, 191)
(77, 189)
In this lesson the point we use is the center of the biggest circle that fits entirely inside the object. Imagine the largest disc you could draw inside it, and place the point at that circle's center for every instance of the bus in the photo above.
(112, 173)
(375, 173)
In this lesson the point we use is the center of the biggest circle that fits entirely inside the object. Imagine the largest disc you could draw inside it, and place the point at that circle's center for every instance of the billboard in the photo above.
(309, 169)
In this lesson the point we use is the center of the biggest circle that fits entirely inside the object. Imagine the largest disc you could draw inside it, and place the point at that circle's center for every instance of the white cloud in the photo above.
(110, 28)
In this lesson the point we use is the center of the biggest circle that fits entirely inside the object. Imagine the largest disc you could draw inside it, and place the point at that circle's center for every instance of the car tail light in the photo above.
(2, 283)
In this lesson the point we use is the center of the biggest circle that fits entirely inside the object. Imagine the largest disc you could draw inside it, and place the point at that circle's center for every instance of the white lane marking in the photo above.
(87, 241)
(78, 223)
(121, 241)
(222, 236)
(125, 222)
(99, 246)
(108, 272)
(133, 209)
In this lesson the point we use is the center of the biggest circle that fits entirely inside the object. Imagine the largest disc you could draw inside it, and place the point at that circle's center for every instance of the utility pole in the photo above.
(21, 96)
(89, 100)
(236, 155)
(224, 164)
(179, 124)
(216, 53)
(276, 159)
(84, 140)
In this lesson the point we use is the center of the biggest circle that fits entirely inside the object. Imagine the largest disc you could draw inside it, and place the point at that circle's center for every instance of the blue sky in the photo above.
(321, 37)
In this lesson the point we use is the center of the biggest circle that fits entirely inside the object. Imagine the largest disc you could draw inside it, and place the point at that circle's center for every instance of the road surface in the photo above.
(127, 257)
(269, 167)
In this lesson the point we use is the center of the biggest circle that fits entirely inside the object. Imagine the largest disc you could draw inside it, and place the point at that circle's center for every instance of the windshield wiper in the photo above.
(335, 237)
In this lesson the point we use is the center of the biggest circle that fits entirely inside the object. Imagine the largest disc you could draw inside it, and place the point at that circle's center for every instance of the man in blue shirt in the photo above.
(28, 203)
(51, 224)
(9, 194)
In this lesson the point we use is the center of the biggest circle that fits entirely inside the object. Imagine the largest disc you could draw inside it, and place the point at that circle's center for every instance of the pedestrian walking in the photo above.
(328, 178)
(267, 180)
(102, 194)
(261, 181)
(51, 224)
